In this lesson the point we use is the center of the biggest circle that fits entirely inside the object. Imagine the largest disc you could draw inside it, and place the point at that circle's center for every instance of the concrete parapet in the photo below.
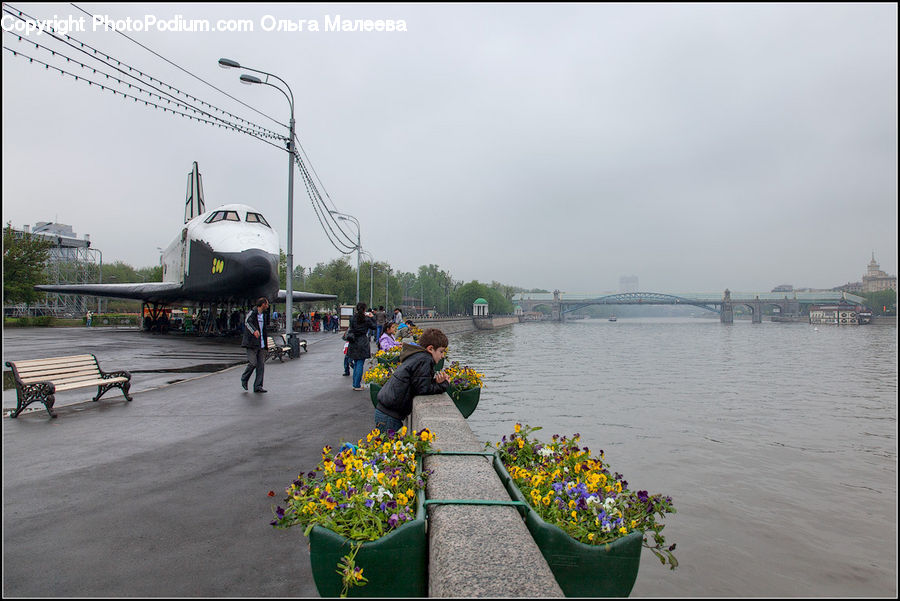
(474, 551)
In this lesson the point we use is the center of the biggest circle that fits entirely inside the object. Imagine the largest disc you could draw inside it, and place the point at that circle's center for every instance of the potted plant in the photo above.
(465, 387)
(376, 377)
(389, 356)
(588, 524)
(362, 509)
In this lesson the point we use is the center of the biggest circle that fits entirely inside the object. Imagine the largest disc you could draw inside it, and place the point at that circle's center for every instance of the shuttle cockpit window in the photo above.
(256, 218)
(223, 216)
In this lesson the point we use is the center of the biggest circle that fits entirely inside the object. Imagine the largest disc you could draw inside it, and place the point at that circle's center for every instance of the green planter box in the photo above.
(373, 393)
(465, 400)
(396, 565)
(388, 362)
(581, 570)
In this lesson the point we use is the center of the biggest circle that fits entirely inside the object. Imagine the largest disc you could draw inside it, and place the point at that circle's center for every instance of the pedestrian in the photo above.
(387, 339)
(87, 318)
(398, 317)
(254, 340)
(357, 335)
(380, 320)
(415, 376)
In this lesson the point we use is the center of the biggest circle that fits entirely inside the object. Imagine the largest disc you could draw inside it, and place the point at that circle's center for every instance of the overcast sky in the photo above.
(697, 147)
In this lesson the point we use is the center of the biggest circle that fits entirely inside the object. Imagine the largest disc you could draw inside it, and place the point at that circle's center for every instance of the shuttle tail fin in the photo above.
(193, 203)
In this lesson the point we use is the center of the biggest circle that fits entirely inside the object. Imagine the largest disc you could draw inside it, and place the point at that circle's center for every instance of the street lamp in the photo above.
(371, 278)
(354, 221)
(226, 63)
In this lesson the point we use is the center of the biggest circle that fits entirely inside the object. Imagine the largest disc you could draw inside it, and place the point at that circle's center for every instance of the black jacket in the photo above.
(413, 377)
(251, 324)
(359, 347)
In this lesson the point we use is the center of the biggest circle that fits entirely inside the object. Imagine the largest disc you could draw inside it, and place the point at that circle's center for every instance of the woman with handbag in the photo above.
(357, 335)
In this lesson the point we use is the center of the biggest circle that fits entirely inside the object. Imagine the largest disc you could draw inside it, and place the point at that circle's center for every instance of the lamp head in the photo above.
(227, 63)
(248, 79)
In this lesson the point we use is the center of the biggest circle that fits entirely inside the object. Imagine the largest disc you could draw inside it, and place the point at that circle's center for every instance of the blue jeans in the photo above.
(385, 422)
(358, 372)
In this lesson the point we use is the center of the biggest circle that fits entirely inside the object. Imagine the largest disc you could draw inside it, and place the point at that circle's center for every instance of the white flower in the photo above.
(593, 500)
(545, 451)
(381, 492)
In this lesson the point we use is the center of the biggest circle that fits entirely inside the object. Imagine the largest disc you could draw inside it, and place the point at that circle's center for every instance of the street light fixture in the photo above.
(354, 221)
(227, 63)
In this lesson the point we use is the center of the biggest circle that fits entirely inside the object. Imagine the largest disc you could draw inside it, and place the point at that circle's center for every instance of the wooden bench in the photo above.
(38, 380)
(276, 346)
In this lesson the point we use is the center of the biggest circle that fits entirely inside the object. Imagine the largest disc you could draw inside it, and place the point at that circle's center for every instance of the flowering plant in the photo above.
(464, 377)
(377, 374)
(391, 355)
(361, 492)
(576, 492)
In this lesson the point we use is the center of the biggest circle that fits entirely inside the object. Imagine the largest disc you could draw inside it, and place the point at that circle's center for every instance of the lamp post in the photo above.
(354, 221)
(226, 63)
(371, 278)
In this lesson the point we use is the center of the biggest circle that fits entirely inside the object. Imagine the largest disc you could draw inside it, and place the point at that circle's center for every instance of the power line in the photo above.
(105, 58)
(135, 98)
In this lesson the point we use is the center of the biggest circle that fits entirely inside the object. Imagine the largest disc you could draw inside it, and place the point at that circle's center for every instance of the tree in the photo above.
(883, 302)
(24, 258)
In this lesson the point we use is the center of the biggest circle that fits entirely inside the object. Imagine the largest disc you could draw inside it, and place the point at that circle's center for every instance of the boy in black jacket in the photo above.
(413, 377)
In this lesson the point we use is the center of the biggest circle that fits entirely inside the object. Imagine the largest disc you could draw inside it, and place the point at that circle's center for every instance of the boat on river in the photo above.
(612, 318)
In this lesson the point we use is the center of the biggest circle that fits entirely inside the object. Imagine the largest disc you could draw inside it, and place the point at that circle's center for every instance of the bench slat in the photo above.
(56, 377)
(50, 364)
(67, 379)
(90, 383)
(57, 369)
(51, 360)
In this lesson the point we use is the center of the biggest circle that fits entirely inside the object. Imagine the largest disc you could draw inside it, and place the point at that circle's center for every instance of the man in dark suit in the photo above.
(254, 340)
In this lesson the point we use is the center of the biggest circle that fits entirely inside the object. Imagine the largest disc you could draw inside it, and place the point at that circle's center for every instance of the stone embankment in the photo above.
(458, 325)
(474, 550)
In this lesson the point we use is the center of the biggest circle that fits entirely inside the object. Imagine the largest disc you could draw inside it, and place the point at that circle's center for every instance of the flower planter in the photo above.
(605, 570)
(373, 393)
(388, 362)
(465, 400)
(395, 565)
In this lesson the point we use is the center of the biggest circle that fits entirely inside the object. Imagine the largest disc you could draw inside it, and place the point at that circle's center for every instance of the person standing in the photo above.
(357, 335)
(380, 320)
(398, 317)
(254, 340)
(87, 318)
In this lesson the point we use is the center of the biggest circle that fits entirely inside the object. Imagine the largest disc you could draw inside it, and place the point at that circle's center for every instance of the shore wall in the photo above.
(474, 550)
(457, 325)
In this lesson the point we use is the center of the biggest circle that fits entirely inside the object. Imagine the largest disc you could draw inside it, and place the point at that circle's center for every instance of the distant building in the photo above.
(628, 283)
(783, 288)
(837, 314)
(851, 287)
(876, 280)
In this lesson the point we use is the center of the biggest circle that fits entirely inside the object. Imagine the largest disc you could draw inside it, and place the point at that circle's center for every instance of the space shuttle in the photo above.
(224, 257)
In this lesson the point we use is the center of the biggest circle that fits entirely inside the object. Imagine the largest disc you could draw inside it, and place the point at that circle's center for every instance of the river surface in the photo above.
(776, 441)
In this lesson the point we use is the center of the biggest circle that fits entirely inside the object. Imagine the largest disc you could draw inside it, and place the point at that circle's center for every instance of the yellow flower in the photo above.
(403, 431)
(518, 428)
(623, 530)
(546, 500)
(574, 515)
(591, 536)
(521, 443)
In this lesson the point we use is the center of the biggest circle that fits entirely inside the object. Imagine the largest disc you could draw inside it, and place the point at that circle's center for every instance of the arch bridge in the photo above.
(723, 304)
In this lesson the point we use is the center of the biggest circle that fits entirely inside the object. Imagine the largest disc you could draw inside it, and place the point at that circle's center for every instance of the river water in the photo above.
(776, 441)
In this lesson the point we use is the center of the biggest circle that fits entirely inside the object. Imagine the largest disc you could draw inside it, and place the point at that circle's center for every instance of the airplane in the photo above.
(224, 257)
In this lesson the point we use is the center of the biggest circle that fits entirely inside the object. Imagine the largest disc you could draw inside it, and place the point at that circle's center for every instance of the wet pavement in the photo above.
(167, 495)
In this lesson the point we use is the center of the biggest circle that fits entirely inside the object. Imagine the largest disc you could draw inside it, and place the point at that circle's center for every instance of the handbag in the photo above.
(348, 336)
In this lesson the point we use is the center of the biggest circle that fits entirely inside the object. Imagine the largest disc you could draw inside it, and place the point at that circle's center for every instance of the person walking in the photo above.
(357, 335)
(254, 340)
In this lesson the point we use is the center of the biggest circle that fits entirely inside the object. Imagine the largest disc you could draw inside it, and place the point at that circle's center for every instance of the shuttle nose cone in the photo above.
(259, 268)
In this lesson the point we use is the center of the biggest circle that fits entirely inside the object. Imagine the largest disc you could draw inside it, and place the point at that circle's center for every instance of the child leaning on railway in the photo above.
(413, 377)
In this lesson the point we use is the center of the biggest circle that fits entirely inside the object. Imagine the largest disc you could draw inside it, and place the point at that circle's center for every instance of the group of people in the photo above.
(414, 376)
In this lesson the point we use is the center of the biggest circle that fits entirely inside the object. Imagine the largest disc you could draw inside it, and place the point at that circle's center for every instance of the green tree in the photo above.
(883, 302)
(336, 277)
(24, 257)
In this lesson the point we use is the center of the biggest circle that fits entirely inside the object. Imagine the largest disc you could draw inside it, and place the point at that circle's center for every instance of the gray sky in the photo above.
(697, 146)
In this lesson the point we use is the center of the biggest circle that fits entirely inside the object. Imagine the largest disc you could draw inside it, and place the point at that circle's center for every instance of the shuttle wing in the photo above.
(304, 297)
(152, 292)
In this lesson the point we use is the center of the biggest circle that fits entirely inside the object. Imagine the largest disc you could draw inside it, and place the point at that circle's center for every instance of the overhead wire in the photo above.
(104, 58)
(183, 69)
(329, 224)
